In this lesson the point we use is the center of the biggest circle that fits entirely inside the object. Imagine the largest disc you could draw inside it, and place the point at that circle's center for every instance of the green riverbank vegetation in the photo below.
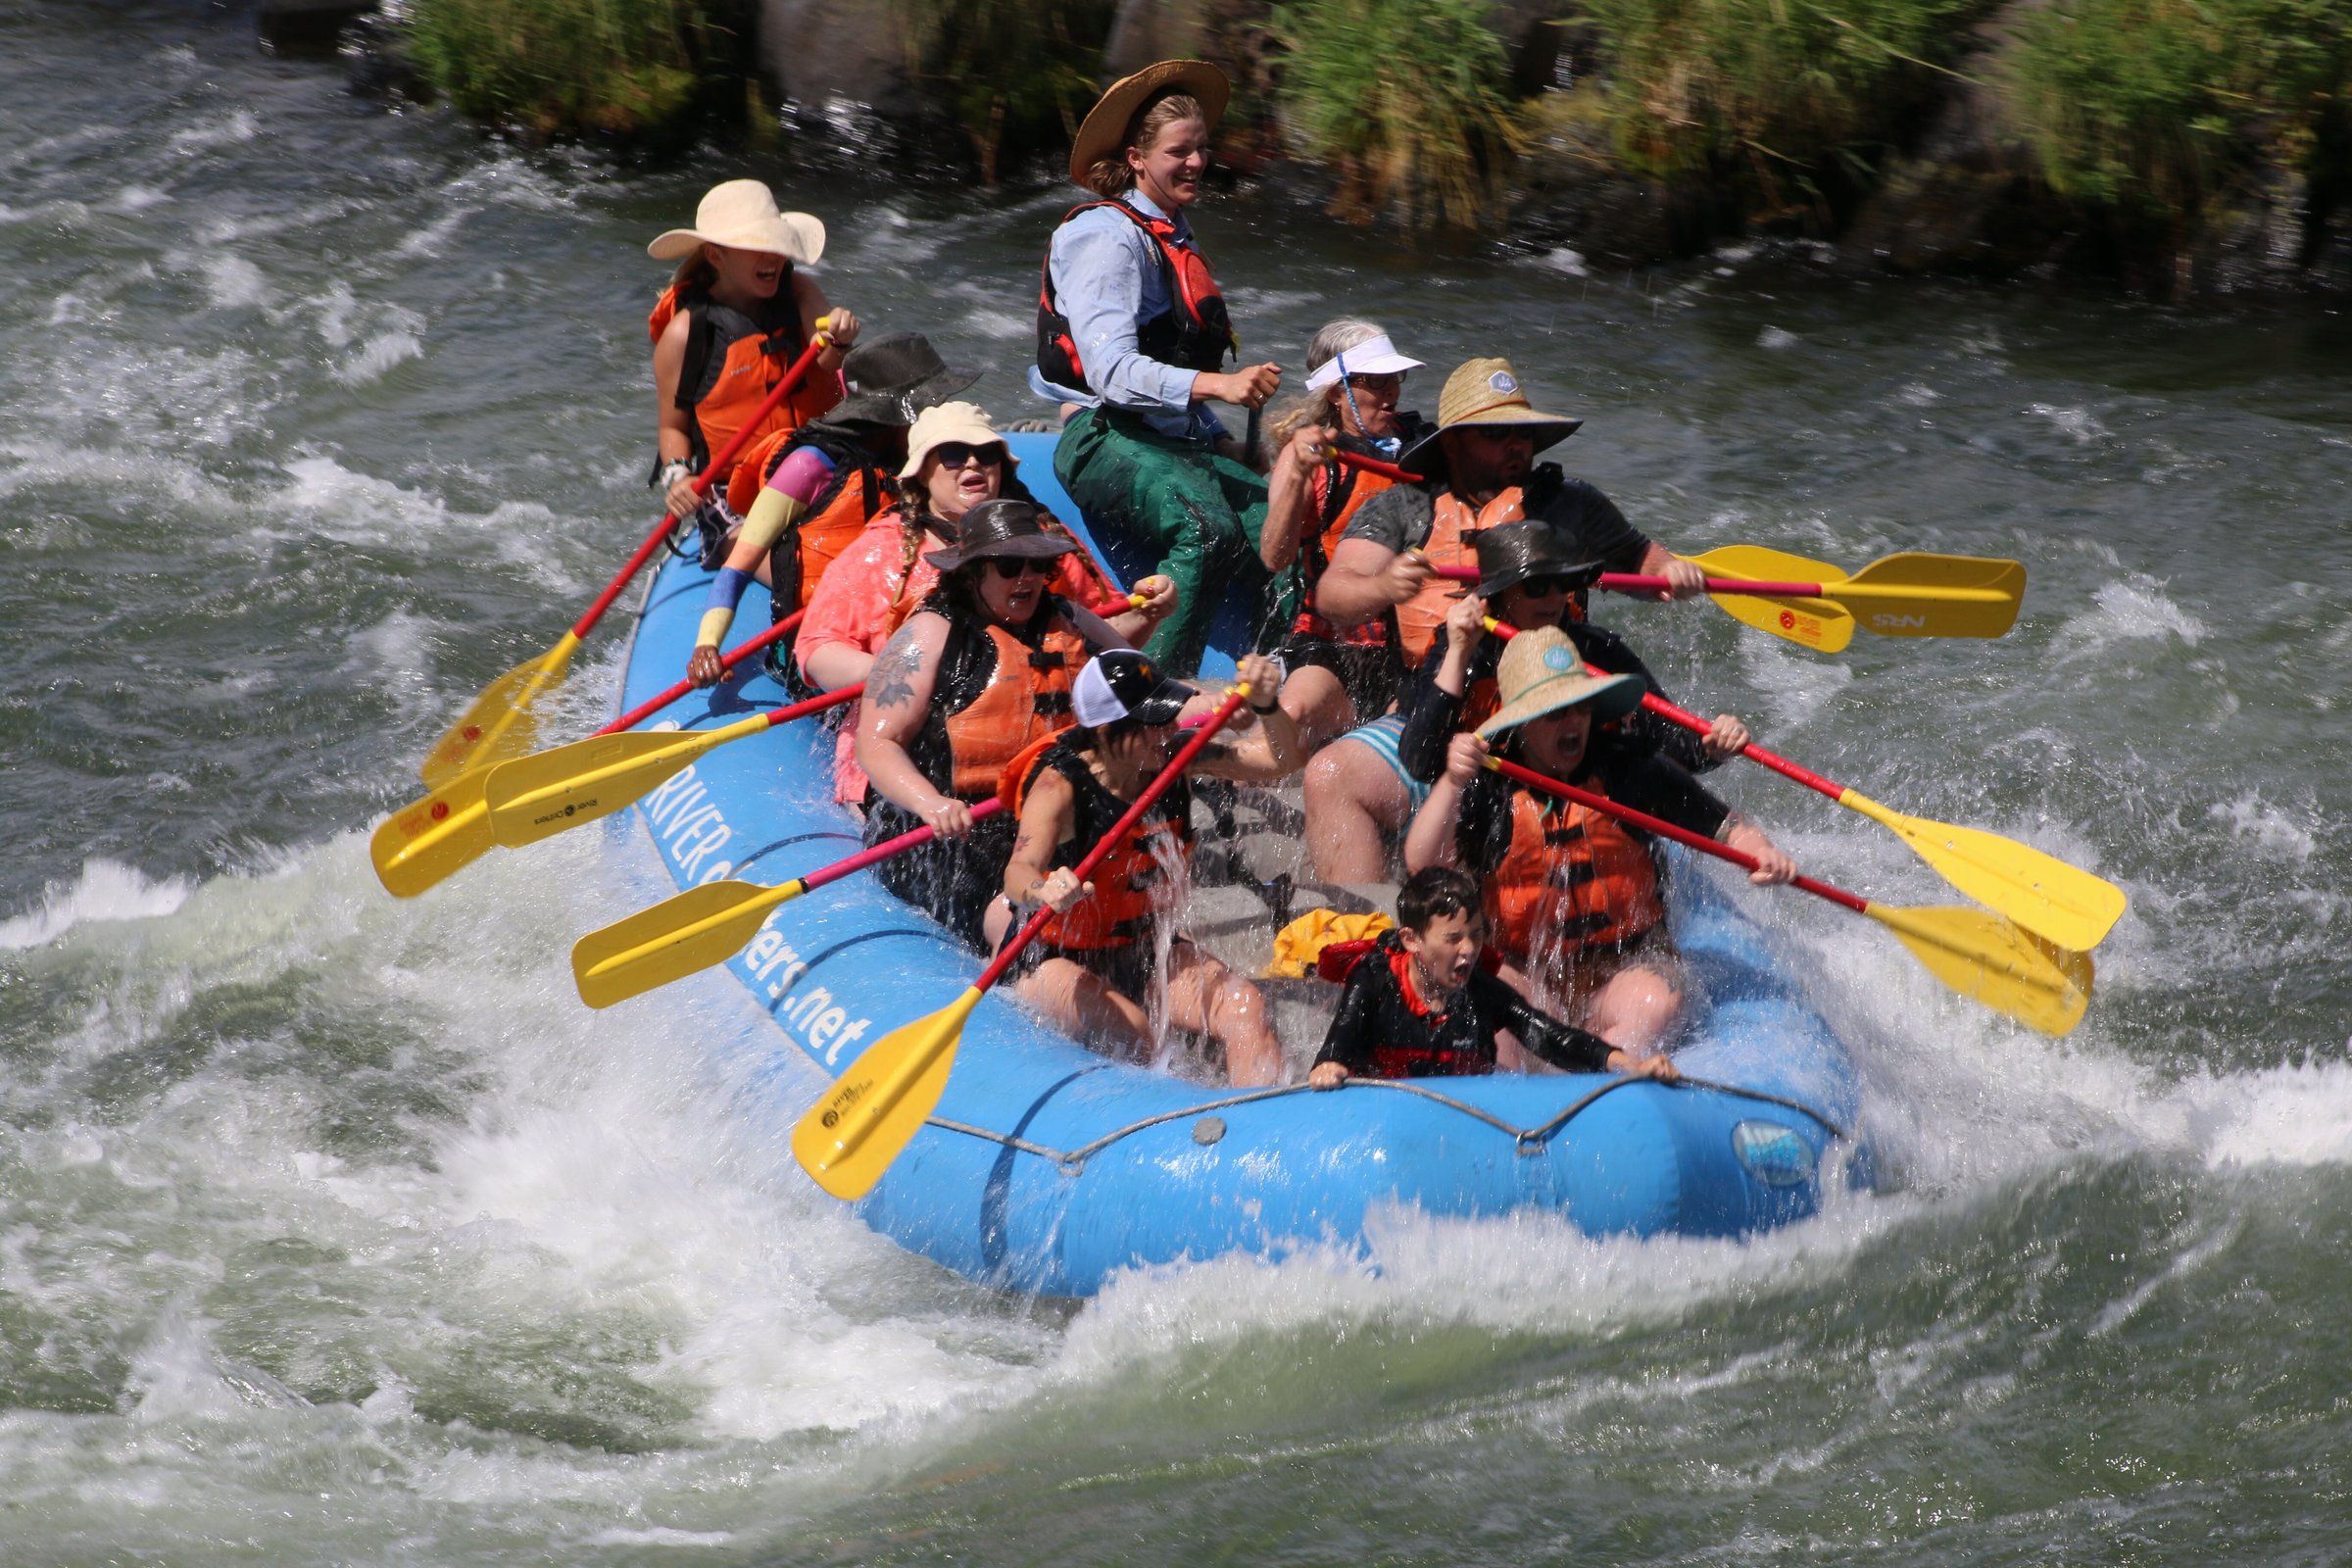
(2160, 121)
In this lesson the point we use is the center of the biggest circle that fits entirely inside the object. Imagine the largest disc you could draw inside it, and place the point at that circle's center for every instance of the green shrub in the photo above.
(2155, 104)
(1772, 87)
(562, 66)
(1405, 100)
(1017, 75)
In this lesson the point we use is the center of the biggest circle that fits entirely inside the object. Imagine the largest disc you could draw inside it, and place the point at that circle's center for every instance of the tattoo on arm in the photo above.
(891, 681)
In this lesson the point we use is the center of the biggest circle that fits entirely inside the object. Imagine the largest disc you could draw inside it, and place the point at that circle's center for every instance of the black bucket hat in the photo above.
(1002, 530)
(893, 378)
(1511, 554)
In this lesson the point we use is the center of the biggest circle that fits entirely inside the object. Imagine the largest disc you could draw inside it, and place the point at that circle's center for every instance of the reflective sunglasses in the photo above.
(956, 454)
(1015, 571)
(1391, 381)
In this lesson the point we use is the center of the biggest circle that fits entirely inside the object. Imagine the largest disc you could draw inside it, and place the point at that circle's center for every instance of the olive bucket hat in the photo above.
(892, 379)
(1002, 530)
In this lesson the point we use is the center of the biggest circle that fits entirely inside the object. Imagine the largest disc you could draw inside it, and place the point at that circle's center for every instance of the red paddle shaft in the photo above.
(1387, 470)
(1665, 829)
(1629, 583)
(888, 848)
(702, 485)
(1095, 857)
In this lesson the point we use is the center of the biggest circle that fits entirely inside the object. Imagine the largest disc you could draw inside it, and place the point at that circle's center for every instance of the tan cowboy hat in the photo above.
(1486, 392)
(1106, 130)
(943, 422)
(1541, 672)
(741, 215)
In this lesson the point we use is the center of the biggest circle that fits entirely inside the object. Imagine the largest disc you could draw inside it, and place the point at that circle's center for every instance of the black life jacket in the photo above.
(1194, 332)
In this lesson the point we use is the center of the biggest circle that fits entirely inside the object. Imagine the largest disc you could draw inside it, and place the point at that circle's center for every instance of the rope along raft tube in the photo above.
(1046, 1168)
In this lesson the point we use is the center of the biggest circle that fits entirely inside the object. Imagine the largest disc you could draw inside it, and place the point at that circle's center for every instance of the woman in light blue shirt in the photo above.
(1132, 332)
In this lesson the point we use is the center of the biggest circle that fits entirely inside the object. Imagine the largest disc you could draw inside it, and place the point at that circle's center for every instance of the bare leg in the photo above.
(1318, 704)
(1355, 805)
(1083, 1004)
(1206, 998)
(1633, 1010)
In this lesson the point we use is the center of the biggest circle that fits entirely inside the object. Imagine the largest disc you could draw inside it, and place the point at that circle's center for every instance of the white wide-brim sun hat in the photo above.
(741, 215)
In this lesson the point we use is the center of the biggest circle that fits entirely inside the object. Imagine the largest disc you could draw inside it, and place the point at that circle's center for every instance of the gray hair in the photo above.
(1331, 340)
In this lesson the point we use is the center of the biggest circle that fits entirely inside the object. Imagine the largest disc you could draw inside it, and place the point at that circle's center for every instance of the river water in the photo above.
(334, 1229)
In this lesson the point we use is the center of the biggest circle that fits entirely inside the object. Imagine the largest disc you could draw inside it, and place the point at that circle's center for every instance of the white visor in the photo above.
(1374, 356)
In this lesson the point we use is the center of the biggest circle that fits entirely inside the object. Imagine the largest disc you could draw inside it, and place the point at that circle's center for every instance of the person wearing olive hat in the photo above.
(1528, 579)
(735, 316)
(1096, 967)
(809, 493)
(1132, 337)
(983, 668)
(955, 459)
(1573, 900)
(1479, 472)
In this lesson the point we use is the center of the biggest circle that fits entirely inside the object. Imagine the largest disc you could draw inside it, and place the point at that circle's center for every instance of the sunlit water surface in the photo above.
(333, 1229)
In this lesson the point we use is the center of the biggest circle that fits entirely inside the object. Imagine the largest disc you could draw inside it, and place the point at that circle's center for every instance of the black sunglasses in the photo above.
(1015, 571)
(956, 454)
(1543, 587)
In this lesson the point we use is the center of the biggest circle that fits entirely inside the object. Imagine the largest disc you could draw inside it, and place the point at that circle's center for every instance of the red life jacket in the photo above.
(733, 362)
(1572, 877)
(1421, 620)
(1130, 884)
(1194, 332)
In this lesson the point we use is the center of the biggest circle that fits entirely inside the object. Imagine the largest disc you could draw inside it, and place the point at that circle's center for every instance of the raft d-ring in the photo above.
(1073, 1165)
(1529, 1144)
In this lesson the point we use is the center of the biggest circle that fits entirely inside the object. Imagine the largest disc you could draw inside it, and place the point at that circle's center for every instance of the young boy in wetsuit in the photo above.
(1418, 1005)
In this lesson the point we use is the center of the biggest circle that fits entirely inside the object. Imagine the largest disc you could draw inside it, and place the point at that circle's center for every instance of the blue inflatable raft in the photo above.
(1046, 1167)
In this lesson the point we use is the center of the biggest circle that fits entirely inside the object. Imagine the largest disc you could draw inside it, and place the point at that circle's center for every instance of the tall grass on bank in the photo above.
(2158, 106)
(1771, 94)
(561, 68)
(1405, 100)
(1015, 74)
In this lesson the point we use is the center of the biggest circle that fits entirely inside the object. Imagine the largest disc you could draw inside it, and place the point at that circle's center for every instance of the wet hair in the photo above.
(1434, 892)
(1101, 737)
(1322, 406)
(1110, 176)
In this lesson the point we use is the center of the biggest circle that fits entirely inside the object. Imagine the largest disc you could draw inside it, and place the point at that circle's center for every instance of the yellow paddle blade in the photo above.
(1755, 563)
(849, 1137)
(2061, 902)
(426, 840)
(498, 724)
(534, 798)
(700, 927)
(1997, 963)
(1919, 595)
(1815, 624)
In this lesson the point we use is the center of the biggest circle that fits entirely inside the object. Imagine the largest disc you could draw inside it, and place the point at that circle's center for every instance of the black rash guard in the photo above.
(1381, 1031)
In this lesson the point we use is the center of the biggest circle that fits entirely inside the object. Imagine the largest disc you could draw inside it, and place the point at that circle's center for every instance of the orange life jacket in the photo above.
(733, 362)
(1130, 882)
(1345, 491)
(1421, 618)
(1572, 877)
(1194, 332)
(861, 490)
(1024, 698)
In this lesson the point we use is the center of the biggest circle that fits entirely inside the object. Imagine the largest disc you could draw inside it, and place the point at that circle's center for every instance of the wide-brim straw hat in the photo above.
(1540, 673)
(944, 422)
(1002, 529)
(1485, 392)
(1105, 131)
(741, 215)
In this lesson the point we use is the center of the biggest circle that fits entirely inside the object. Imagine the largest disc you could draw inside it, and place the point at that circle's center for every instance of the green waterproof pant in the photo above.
(1194, 512)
